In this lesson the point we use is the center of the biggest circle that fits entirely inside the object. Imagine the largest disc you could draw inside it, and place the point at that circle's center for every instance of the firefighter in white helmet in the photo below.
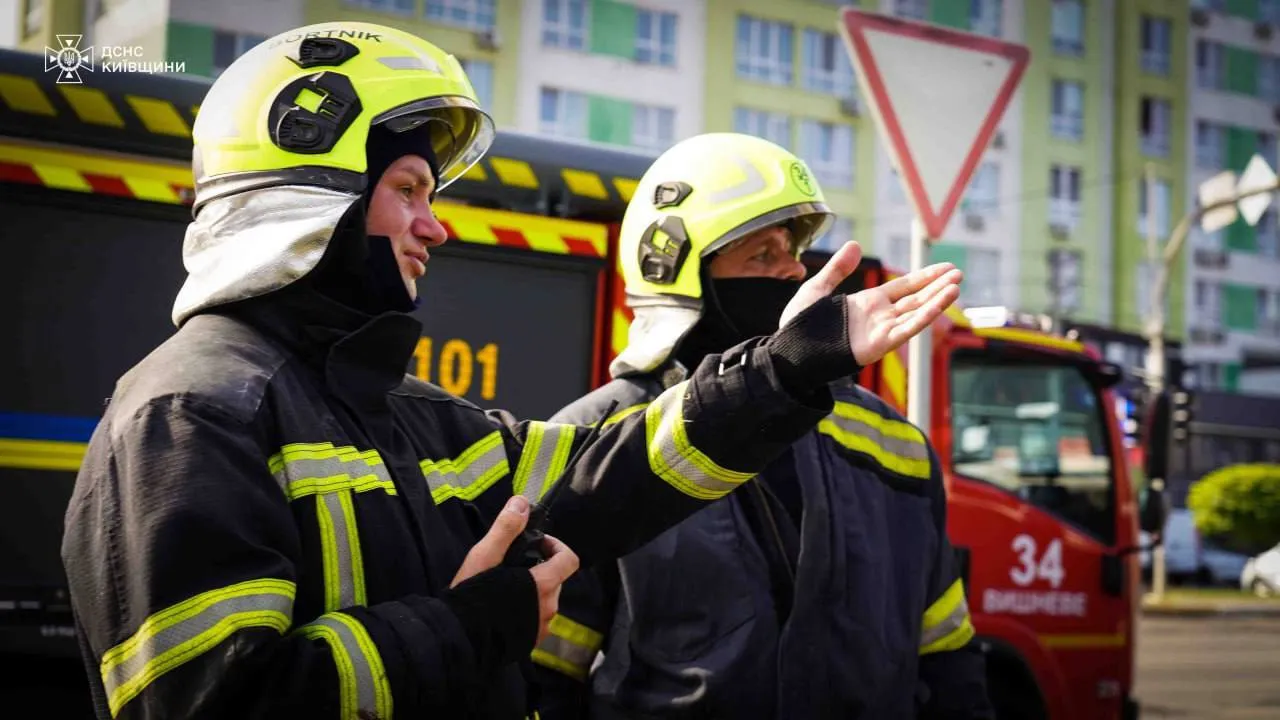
(826, 588)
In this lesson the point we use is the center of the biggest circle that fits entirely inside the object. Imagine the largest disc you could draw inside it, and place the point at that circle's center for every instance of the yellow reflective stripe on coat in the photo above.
(674, 459)
(624, 413)
(569, 647)
(363, 686)
(340, 553)
(304, 469)
(332, 475)
(543, 459)
(182, 632)
(896, 446)
(471, 473)
(946, 623)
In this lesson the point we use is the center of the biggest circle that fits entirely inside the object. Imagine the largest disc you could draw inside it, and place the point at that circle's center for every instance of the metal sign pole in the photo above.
(918, 380)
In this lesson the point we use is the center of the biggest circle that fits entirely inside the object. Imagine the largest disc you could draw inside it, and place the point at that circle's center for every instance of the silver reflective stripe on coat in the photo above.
(471, 473)
(182, 632)
(340, 551)
(546, 452)
(897, 446)
(303, 469)
(674, 459)
(363, 686)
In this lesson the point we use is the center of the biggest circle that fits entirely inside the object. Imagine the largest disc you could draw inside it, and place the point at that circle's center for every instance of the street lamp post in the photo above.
(1155, 325)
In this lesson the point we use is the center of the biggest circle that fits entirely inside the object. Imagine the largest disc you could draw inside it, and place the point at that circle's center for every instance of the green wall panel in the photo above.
(193, 45)
(952, 13)
(949, 252)
(1243, 8)
(1241, 237)
(1241, 144)
(613, 29)
(609, 120)
(1242, 70)
(1239, 305)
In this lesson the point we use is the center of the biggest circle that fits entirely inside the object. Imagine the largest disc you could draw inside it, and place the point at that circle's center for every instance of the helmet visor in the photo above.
(806, 221)
(461, 133)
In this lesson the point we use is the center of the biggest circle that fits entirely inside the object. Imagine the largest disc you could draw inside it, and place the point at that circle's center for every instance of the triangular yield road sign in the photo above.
(937, 96)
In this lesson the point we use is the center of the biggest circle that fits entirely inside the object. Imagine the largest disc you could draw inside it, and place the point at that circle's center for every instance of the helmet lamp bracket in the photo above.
(661, 256)
(670, 194)
(305, 131)
(318, 52)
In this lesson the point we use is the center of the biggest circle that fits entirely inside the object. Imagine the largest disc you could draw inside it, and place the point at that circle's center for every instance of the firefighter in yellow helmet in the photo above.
(825, 589)
(273, 520)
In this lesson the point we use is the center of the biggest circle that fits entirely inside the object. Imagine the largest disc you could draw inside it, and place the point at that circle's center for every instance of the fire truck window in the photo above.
(1035, 430)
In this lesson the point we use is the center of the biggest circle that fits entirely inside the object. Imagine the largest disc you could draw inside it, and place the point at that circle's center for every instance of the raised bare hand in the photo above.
(883, 318)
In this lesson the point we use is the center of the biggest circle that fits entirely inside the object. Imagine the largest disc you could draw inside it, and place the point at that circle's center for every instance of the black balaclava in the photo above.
(360, 270)
(734, 310)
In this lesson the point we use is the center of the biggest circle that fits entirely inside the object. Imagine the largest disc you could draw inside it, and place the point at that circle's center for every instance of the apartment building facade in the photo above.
(1233, 303)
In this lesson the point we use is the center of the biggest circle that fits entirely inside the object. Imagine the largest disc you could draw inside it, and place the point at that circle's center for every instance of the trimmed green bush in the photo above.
(1241, 502)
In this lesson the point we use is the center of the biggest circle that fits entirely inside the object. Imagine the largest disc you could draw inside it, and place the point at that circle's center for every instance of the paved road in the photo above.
(1209, 668)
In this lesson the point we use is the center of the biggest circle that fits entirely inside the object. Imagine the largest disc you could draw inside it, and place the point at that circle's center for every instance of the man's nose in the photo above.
(427, 228)
(791, 269)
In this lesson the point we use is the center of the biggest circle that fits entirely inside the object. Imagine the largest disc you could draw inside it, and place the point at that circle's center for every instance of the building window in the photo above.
(1146, 280)
(986, 17)
(897, 188)
(1206, 240)
(1268, 234)
(982, 277)
(764, 50)
(828, 150)
(826, 65)
(655, 37)
(1156, 44)
(1065, 280)
(564, 24)
(1064, 195)
(1156, 126)
(1211, 145)
(1210, 65)
(404, 7)
(982, 197)
(840, 233)
(563, 114)
(227, 46)
(911, 9)
(1067, 27)
(1269, 78)
(32, 17)
(653, 128)
(1269, 11)
(481, 75)
(1267, 308)
(774, 127)
(1267, 146)
(1067, 109)
(1163, 193)
(470, 14)
(1208, 304)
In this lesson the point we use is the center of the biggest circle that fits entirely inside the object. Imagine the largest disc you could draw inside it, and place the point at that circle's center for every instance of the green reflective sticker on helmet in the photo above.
(801, 179)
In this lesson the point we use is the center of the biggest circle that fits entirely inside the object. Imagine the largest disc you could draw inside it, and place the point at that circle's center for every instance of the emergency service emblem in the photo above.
(69, 59)
(800, 176)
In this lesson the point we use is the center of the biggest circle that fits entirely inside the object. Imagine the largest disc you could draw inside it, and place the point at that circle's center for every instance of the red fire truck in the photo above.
(95, 187)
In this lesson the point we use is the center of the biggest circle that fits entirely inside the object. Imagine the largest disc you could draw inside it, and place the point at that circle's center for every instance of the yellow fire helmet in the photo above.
(696, 199)
(279, 149)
